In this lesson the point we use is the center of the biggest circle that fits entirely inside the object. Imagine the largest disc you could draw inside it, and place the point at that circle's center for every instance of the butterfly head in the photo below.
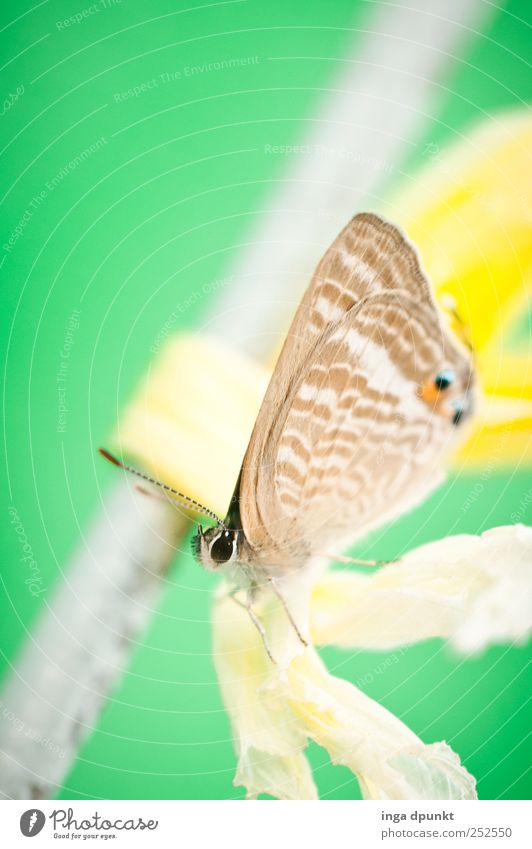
(215, 547)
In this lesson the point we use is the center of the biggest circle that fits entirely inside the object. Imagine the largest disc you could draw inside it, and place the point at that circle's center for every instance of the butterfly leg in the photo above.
(247, 605)
(282, 599)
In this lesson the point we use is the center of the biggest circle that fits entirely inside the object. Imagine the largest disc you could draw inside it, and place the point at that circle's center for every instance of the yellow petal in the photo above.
(508, 375)
(190, 421)
(501, 438)
(469, 214)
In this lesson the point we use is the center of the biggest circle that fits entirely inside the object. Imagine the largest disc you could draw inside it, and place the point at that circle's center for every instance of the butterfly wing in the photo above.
(343, 439)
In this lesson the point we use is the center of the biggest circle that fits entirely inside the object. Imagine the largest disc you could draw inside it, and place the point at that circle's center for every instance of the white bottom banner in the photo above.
(259, 825)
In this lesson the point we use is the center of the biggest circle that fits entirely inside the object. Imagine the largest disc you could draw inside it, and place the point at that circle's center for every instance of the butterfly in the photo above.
(363, 404)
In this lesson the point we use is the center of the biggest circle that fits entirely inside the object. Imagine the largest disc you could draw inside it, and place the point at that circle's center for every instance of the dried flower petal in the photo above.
(390, 761)
(473, 590)
(276, 709)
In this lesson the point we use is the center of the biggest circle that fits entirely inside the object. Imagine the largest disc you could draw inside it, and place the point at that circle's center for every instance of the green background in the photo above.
(155, 212)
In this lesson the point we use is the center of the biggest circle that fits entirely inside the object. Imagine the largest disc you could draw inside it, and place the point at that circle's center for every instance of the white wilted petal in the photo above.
(502, 612)
(276, 708)
(389, 760)
(473, 590)
(286, 777)
(435, 772)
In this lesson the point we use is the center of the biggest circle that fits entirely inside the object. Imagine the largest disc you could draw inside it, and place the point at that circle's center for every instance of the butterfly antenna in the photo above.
(464, 330)
(172, 493)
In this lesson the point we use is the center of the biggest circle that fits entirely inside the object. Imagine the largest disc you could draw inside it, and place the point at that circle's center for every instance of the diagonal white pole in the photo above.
(80, 647)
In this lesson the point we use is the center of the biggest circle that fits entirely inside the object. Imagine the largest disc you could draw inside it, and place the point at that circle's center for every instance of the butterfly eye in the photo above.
(444, 379)
(223, 547)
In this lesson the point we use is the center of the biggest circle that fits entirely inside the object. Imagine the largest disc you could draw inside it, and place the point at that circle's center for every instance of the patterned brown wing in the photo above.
(343, 439)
